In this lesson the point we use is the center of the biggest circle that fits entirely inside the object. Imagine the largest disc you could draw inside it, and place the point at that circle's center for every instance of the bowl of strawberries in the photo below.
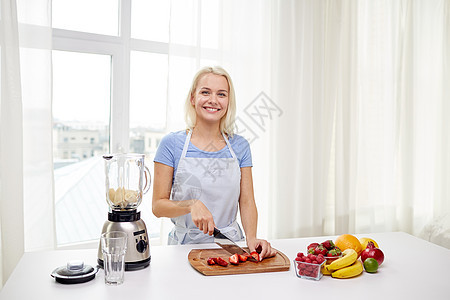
(327, 248)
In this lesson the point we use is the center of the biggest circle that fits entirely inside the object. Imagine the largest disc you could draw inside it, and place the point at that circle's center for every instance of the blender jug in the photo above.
(127, 179)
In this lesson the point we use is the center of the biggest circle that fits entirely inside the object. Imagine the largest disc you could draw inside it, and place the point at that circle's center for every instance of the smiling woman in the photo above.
(226, 178)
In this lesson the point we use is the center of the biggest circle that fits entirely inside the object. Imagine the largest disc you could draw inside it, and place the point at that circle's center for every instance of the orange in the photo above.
(364, 242)
(347, 241)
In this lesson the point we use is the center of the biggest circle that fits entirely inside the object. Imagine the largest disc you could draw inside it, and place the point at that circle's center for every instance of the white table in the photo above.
(413, 269)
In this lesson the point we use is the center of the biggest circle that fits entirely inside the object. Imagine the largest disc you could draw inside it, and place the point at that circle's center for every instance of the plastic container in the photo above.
(308, 271)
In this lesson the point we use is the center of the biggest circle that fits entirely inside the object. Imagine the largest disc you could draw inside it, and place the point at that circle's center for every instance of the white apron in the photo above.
(215, 182)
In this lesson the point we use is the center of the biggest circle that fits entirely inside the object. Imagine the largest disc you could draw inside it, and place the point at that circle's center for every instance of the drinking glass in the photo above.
(114, 246)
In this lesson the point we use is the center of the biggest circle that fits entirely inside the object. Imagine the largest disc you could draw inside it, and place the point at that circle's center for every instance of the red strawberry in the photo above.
(332, 252)
(312, 246)
(328, 244)
(255, 255)
(320, 250)
(221, 262)
(243, 258)
(211, 261)
(234, 259)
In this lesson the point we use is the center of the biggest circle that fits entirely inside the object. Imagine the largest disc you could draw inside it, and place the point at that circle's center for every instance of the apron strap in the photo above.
(229, 145)
(186, 144)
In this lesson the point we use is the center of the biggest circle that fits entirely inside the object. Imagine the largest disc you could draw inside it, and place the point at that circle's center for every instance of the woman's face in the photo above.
(211, 98)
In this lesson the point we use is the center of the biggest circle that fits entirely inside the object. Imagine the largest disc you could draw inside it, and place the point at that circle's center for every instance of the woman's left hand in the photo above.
(263, 245)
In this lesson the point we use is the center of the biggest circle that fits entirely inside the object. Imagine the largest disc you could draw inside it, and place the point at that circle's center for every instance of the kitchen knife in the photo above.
(228, 245)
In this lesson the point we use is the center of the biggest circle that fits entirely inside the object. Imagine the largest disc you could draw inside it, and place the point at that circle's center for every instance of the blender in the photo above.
(127, 180)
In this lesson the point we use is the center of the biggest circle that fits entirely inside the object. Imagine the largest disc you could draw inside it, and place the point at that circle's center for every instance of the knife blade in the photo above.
(229, 245)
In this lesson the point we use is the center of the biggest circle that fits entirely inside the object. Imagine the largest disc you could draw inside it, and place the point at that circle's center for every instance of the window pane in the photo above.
(81, 113)
(94, 16)
(150, 20)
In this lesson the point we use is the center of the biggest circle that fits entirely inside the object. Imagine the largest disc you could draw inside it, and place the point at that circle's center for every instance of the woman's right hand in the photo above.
(202, 217)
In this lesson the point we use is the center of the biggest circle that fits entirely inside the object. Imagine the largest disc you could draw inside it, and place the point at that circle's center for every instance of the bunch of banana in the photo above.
(345, 267)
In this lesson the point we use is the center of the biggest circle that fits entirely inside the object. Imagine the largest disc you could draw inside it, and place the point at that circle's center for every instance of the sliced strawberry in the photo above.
(221, 262)
(255, 255)
(211, 261)
(234, 259)
(242, 258)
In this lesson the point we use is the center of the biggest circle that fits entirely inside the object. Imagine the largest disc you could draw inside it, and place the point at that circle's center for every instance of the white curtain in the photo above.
(343, 102)
(363, 144)
(26, 190)
(11, 196)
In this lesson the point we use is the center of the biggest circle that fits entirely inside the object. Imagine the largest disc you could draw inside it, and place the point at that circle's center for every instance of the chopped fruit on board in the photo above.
(234, 259)
(243, 258)
(220, 261)
(255, 255)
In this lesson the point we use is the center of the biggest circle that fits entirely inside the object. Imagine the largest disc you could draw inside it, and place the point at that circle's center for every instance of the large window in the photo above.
(109, 95)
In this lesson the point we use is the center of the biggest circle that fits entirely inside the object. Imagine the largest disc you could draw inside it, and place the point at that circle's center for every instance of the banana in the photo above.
(118, 196)
(131, 196)
(351, 271)
(325, 271)
(349, 256)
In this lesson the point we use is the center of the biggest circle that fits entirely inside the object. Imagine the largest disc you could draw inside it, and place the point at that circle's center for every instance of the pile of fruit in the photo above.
(342, 257)
(309, 265)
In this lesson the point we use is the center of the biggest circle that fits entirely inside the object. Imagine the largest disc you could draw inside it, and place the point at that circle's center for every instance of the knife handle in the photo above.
(216, 231)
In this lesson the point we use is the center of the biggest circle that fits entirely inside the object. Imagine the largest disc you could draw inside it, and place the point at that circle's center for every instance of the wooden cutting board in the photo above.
(198, 260)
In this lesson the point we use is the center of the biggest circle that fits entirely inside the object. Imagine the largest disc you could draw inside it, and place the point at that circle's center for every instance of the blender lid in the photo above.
(74, 272)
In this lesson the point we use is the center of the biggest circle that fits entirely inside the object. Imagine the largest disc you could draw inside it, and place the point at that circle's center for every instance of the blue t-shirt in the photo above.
(171, 147)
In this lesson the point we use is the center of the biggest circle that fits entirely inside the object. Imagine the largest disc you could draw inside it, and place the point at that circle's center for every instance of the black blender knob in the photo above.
(141, 246)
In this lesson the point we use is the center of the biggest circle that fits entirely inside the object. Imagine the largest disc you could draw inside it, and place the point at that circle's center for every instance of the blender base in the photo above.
(137, 255)
(131, 266)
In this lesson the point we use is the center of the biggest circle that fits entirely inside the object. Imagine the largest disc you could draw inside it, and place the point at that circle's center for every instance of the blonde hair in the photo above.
(227, 121)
